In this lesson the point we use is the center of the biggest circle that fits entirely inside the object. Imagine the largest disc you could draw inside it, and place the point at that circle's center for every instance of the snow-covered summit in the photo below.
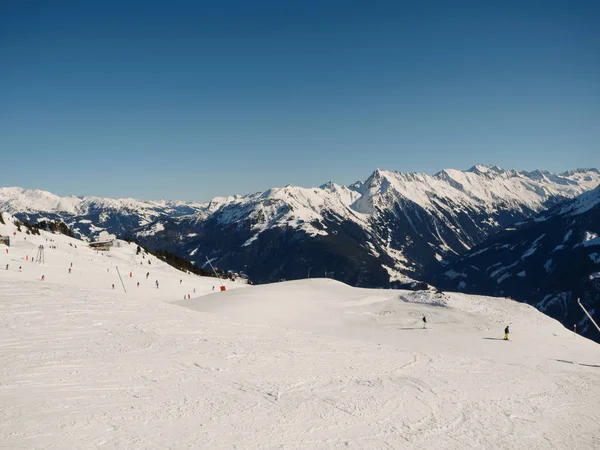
(16, 199)
(19, 200)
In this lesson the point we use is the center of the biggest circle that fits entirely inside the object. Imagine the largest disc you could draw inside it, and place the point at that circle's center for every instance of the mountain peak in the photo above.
(478, 168)
(481, 169)
(377, 173)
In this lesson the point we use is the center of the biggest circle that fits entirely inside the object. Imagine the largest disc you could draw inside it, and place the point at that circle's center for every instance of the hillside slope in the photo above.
(305, 364)
(549, 261)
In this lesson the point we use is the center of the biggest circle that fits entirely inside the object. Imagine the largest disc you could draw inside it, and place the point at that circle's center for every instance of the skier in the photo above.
(424, 322)
(69, 270)
(147, 275)
(138, 285)
(43, 277)
(7, 267)
(156, 284)
(180, 281)
(188, 296)
(506, 331)
(213, 288)
(113, 286)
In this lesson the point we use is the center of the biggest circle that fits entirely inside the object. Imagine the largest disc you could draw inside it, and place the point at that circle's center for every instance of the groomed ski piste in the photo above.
(310, 364)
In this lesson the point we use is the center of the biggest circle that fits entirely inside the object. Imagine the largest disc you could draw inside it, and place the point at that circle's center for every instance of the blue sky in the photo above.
(190, 100)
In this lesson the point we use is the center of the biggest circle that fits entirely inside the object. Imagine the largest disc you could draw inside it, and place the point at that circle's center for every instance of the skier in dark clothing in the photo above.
(424, 322)
(506, 331)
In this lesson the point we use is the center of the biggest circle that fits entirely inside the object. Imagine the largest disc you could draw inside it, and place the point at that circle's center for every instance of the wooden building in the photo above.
(101, 245)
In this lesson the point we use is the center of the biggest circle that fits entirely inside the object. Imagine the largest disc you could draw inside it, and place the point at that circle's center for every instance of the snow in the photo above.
(373, 250)
(397, 276)
(533, 248)
(590, 239)
(34, 200)
(105, 236)
(561, 299)
(497, 272)
(250, 241)
(522, 274)
(582, 203)
(305, 364)
(453, 274)
(478, 252)
(152, 230)
(16, 199)
(595, 257)
(595, 276)
(503, 277)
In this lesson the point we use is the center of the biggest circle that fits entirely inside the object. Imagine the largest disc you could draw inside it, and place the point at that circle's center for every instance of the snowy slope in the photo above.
(306, 364)
(548, 261)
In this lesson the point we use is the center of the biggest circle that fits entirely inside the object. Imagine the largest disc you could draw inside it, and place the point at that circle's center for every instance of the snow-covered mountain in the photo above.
(373, 233)
(307, 364)
(548, 261)
(91, 216)
(384, 230)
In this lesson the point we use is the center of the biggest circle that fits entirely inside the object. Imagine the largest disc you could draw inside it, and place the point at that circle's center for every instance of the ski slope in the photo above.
(305, 364)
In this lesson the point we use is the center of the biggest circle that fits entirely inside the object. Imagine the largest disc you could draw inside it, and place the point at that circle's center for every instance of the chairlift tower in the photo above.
(40, 255)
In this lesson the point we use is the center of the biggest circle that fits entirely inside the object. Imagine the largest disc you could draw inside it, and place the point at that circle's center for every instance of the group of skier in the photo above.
(506, 330)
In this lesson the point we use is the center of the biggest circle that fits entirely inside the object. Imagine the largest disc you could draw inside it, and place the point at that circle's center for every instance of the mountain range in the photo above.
(486, 230)
(380, 232)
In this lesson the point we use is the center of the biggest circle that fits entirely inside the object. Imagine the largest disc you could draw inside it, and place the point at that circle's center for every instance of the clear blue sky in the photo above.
(190, 100)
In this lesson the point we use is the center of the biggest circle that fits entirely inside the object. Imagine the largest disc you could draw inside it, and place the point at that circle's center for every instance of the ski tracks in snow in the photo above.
(101, 373)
